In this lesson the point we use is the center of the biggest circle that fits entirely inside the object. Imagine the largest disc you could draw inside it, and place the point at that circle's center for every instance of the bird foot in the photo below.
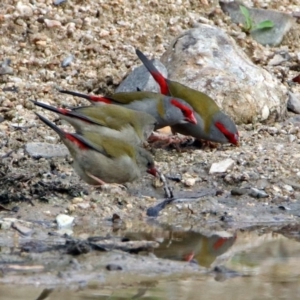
(108, 187)
(202, 144)
(165, 141)
(113, 188)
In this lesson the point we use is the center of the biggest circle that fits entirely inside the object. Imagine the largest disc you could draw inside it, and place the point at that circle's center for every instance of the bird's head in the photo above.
(186, 110)
(227, 128)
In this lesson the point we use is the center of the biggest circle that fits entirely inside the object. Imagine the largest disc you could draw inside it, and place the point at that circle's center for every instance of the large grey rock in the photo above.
(140, 78)
(273, 36)
(207, 59)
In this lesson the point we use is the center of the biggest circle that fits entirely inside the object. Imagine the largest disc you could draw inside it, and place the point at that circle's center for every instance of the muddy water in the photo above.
(181, 265)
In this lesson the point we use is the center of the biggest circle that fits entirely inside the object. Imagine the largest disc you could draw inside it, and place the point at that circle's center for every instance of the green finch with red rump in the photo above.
(167, 111)
(110, 120)
(212, 124)
(101, 159)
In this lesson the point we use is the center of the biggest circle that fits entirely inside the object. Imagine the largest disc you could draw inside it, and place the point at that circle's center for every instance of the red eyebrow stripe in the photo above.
(180, 105)
(232, 137)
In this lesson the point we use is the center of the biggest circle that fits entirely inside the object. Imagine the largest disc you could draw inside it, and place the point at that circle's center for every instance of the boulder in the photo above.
(205, 58)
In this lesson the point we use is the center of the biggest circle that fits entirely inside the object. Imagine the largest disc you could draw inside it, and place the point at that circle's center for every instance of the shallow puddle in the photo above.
(181, 265)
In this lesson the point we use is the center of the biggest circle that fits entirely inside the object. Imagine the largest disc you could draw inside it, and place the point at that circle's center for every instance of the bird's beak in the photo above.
(190, 119)
(185, 121)
(152, 171)
(193, 119)
(237, 143)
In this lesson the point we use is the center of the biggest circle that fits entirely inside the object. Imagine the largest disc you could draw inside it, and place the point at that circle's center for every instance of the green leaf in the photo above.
(245, 12)
(264, 25)
(248, 20)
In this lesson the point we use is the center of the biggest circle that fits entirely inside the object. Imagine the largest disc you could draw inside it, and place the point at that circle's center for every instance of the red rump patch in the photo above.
(76, 141)
(188, 257)
(233, 138)
(161, 80)
(63, 111)
(99, 99)
(187, 112)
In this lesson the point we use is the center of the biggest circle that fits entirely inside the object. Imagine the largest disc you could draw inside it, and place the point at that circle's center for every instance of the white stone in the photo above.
(64, 221)
(276, 60)
(265, 113)
(292, 138)
(25, 10)
(222, 166)
(190, 181)
(5, 224)
(52, 23)
(84, 205)
(279, 147)
(288, 188)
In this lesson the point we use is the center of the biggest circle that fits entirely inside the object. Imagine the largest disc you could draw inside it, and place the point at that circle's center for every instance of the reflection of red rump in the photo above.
(188, 257)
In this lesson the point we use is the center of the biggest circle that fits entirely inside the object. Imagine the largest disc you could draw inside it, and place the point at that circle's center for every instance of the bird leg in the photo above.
(205, 144)
(105, 186)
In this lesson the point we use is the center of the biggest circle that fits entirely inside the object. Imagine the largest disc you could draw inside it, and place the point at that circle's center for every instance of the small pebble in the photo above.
(190, 182)
(24, 10)
(239, 191)
(64, 221)
(67, 61)
(282, 207)
(113, 267)
(77, 200)
(84, 205)
(58, 2)
(5, 68)
(22, 229)
(276, 60)
(256, 193)
(222, 166)
(52, 23)
(272, 130)
(292, 138)
(4, 225)
(288, 188)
